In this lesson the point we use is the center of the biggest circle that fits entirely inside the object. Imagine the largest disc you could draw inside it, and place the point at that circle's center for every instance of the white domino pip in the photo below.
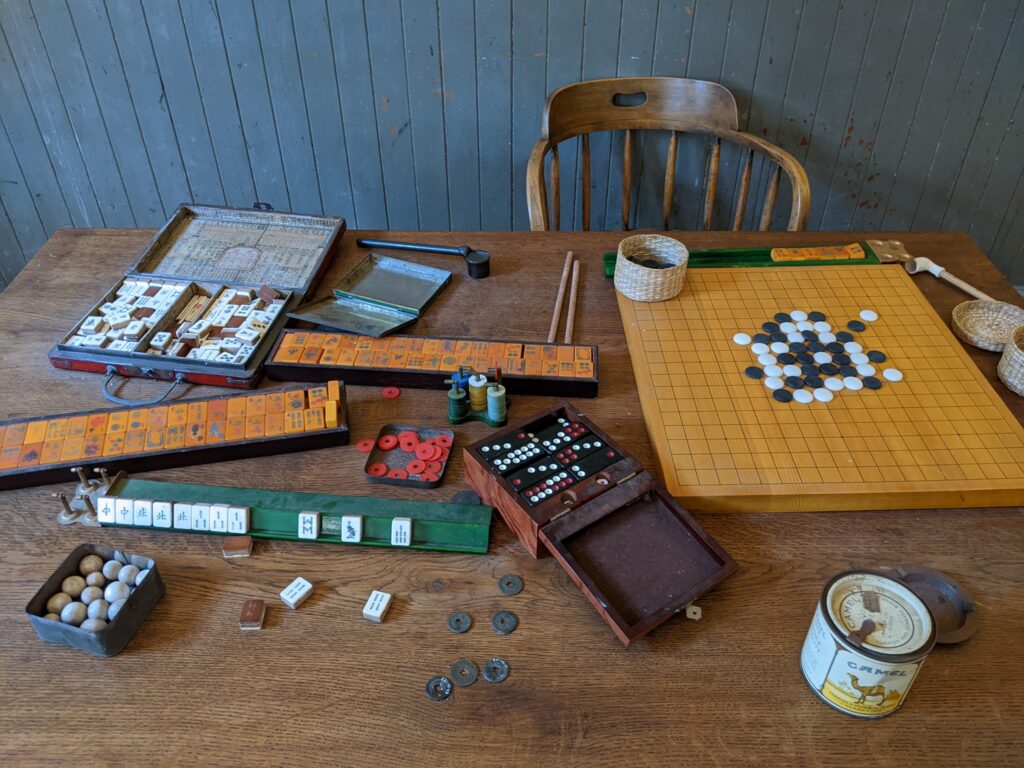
(352, 528)
(309, 525)
(401, 532)
(295, 594)
(377, 606)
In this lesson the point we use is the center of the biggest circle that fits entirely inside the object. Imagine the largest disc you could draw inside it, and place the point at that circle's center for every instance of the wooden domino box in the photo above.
(44, 449)
(529, 368)
(205, 299)
(563, 486)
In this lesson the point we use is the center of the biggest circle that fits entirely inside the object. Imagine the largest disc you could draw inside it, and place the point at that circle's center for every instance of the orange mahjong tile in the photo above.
(431, 346)
(112, 446)
(35, 432)
(379, 360)
(3, 431)
(55, 430)
(463, 349)
(197, 413)
(585, 369)
(448, 346)
(346, 357)
(255, 405)
(566, 353)
(313, 418)
(195, 433)
(331, 414)
(30, 453)
(478, 348)
(315, 340)
(157, 419)
(51, 452)
(15, 434)
(274, 423)
(155, 440)
(516, 367)
(9, 457)
(275, 402)
(288, 353)
(549, 368)
(329, 357)
(364, 343)
(237, 407)
(177, 415)
(347, 341)
(397, 359)
(72, 449)
(332, 341)
(254, 426)
(317, 397)
(295, 400)
(334, 390)
(400, 343)
(549, 352)
(97, 425)
(310, 355)
(533, 367)
(414, 363)
(513, 350)
(584, 353)
(217, 410)
(298, 337)
(567, 368)
(495, 350)
(93, 446)
(216, 429)
(293, 422)
(76, 426)
(364, 358)
(175, 436)
(138, 418)
(382, 344)
(135, 441)
(431, 363)
(532, 351)
(416, 344)
(236, 430)
(449, 362)
(117, 423)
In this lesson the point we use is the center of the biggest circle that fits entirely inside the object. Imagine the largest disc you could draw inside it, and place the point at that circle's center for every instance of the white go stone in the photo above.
(95, 579)
(826, 338)
(803, 396)
(822, 395)
(56, 603)
(74, 613)
(822, 357)
(127, 574)
(791, 370)
(853, 346)
(868, 314)
(853, 383)
(773, 371)
(779, 347)
(93, 625)
(858, 358)
(89, 594)
(866, 370)
(892, 374)
(822, 327)
(795, 337)
(116, 590)
(111, 569)
(73, 585)
(142, 575)
(115, 608)
(742, 339)
(787, 327)
(834, 384)
(803, 325)
(773, 382)
(798, 314)
(767, 359)
(52, 617)
(90, 564)
(758, 348)
(98, 609)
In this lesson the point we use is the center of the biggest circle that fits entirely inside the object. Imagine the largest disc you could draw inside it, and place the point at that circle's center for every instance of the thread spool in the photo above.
(478, 392)
(496, 403)
(457, 407)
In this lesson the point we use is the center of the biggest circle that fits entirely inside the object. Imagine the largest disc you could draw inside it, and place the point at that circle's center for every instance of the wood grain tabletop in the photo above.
(320, 685)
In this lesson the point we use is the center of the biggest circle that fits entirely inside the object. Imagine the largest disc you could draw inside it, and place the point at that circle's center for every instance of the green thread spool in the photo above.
(457, 405)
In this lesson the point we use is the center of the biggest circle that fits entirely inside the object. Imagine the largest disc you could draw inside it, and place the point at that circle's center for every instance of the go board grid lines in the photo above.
(719, 434)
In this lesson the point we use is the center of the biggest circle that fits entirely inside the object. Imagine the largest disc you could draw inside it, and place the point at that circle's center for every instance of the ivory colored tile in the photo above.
(352, 529)
(143, 512)
(238, 519)
(105, 513)
(377, 606)
(124, 511)
(401, 532)
(182, 517)
(219, 518)
(163, 514)
(309, 525)
(296, 593)
(200, 517)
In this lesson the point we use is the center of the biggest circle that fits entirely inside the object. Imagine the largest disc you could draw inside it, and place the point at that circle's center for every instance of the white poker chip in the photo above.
(892, 374)
(835, 384)
(758, 348)
(787, 327)
(772, 371)
(803, 396)
(766, 359)
(773, 382)
(823, 395)
(853, 383)
(822, 327)
(822, 357)
(866, 370)
(791, 370)
(779, 347)
(742, 339)
(868, 314)
(798, 314)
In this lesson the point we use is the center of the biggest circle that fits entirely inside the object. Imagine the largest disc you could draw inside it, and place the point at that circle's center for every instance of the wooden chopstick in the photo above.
(557, 315)
(570, 317)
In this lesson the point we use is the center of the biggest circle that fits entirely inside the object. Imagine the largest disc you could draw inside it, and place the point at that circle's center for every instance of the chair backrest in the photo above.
(679, 105)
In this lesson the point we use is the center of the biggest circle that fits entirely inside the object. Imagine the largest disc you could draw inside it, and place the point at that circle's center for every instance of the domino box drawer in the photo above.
(222, 259)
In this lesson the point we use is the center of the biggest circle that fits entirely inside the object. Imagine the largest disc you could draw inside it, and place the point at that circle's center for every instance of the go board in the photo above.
(44, 449)
(940, 437)
(529, 368)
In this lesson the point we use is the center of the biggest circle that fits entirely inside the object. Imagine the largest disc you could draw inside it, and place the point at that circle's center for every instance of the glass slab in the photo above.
(400, 285)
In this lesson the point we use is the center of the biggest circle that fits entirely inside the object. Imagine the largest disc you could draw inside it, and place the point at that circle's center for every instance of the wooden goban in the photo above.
(941, 437)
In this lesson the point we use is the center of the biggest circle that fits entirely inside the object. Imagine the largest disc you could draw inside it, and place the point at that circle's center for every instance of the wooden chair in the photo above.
(660, 103)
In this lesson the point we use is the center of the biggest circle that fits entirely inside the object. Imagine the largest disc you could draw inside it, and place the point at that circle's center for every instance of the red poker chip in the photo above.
(429, 477)
(445, 453)
(387, 442)
(408, 435)
(425, 451)
(390, 393)
(365, 446)
(443, 440)
(409, 446)
(398, 474)
(434, 467)
(377, 470)
(416, 466)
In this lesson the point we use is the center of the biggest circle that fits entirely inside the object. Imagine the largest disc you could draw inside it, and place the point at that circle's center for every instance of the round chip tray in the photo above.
(986, 324)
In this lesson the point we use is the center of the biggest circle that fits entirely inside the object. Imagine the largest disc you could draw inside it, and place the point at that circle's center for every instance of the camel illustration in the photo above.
(867, 690)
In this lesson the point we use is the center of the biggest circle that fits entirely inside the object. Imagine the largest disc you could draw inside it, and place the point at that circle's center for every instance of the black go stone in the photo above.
(794, 381)
(786, 359)
(782, 317)
(805, 357)
(876, 357)
(797, 347)
(829, 370)
(814, 382)
(782, 395)
(816, 346)
(816, 317)
(841, 359)
(834, 347)
(872, 382)
(809, 335)
(754, 372)
(855, 325)
(808, 369)
(778, 336)
(847, 370)
(844, 336)
(770, 327)
(762, 338)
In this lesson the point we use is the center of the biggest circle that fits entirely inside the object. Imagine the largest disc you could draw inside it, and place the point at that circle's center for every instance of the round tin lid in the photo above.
(951, 606)
(879, 614)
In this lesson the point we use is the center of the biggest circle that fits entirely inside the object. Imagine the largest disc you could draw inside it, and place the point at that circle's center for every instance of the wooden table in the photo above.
(321, 685)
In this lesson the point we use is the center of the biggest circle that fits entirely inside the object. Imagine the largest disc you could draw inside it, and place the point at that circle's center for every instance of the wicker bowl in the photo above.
(986, 324)
(642, 282)
(1011, 364)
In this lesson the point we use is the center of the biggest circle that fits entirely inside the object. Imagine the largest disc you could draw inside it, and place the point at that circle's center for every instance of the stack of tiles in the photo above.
(225, 330)
(120, 324)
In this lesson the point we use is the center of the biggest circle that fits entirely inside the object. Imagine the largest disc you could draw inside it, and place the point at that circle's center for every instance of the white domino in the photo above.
(309, 525)
(238, 519)
(200, 517)
(183, 517)
(295, 594)
(377, 606)
(143, 512)
(352, 528)
(105, 510)
(219, 518)
(401, 532)
(162, 514)
(124, 511)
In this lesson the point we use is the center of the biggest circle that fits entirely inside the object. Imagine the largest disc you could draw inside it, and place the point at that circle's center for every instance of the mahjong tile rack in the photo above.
(206, 299)
(527, 368)
(923, 429)
(45, 449)
(292, 515)
(566, 488)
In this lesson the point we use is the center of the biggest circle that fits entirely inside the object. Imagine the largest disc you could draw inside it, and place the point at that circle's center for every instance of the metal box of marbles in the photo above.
(96, 599)
(206, 299)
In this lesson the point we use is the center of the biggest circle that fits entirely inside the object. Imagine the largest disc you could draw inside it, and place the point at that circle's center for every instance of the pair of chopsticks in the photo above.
(571, 314)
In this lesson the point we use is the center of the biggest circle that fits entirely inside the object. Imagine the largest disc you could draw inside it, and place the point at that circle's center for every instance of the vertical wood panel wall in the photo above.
(420, 114)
